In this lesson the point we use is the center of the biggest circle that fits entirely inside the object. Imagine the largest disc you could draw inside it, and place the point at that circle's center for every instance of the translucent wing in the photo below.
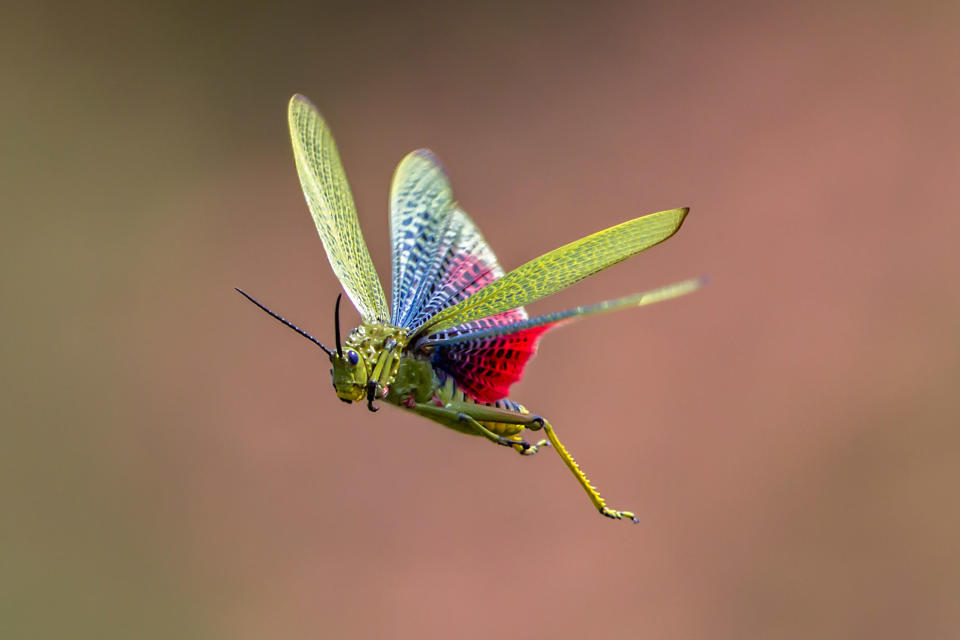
(487, 357)
(457, 335)
(559, 269)
(466, 265)
(328, 196)
(453, 261)
(421, 202)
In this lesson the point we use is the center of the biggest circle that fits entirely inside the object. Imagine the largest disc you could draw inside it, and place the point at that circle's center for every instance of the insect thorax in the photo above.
(370, 340)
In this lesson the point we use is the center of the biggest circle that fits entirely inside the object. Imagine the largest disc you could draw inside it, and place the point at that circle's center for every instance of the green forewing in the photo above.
(328, 196)
(560, 268)
(556, 318)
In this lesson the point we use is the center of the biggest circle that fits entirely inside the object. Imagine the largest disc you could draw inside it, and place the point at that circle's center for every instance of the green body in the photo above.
(417, 386)
(406, 379)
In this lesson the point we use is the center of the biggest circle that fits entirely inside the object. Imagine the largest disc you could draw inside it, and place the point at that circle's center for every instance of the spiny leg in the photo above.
(595, 497)
(472, 413)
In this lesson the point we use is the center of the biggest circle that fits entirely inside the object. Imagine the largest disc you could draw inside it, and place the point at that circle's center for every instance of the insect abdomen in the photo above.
(499, 428)
(503, 428)
(410, 390)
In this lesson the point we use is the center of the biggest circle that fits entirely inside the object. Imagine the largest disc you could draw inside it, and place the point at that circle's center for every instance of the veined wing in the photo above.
(467, 264)
(559, 269)
(328, 195)
(550, 320)
(421, 200)
(439, 255)
(487, 358)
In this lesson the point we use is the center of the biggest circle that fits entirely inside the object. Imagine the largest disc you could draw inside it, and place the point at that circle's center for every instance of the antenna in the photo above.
(291, 325)
(336, 323)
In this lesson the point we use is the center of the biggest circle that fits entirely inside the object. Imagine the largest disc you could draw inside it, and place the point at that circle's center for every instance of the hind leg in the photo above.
(473, 415)
(485, 420)
(581, 477)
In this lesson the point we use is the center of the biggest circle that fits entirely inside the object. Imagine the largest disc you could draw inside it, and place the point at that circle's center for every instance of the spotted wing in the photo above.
(487, 356)
(421, 204)
(465, 265)
(559, 269)
(486, 368)
(328, 196)
(461, 264)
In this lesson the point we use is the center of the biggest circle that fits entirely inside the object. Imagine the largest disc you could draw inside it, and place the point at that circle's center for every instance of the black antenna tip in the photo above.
(285, 321)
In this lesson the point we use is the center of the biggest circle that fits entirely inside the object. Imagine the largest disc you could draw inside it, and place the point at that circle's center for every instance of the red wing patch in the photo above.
(485, 369)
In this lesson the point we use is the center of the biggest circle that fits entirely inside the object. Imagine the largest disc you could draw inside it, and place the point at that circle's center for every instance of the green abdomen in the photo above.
(418, 383)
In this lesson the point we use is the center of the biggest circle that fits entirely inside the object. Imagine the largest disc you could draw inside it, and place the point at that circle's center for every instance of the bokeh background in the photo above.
(174, 463)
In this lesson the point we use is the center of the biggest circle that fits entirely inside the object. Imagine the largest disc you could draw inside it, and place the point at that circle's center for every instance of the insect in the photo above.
(456, 336)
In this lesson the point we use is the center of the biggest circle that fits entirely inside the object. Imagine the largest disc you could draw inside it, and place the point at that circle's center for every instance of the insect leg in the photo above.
(453, 414)
(522, 447)
(595, 497)
(531, 448)
(381, 373)
(486, 413)
(471, 414)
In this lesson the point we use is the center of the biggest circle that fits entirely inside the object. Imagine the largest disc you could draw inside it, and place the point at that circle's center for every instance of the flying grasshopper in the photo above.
(456, 336)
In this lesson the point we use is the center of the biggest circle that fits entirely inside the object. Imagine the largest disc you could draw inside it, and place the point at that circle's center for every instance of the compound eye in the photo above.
(352, 357)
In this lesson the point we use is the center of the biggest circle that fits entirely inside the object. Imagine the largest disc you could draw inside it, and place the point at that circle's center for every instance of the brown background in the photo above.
(175, 464)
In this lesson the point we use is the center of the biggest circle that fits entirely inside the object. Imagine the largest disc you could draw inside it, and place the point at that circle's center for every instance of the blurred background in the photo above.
(175, 464)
